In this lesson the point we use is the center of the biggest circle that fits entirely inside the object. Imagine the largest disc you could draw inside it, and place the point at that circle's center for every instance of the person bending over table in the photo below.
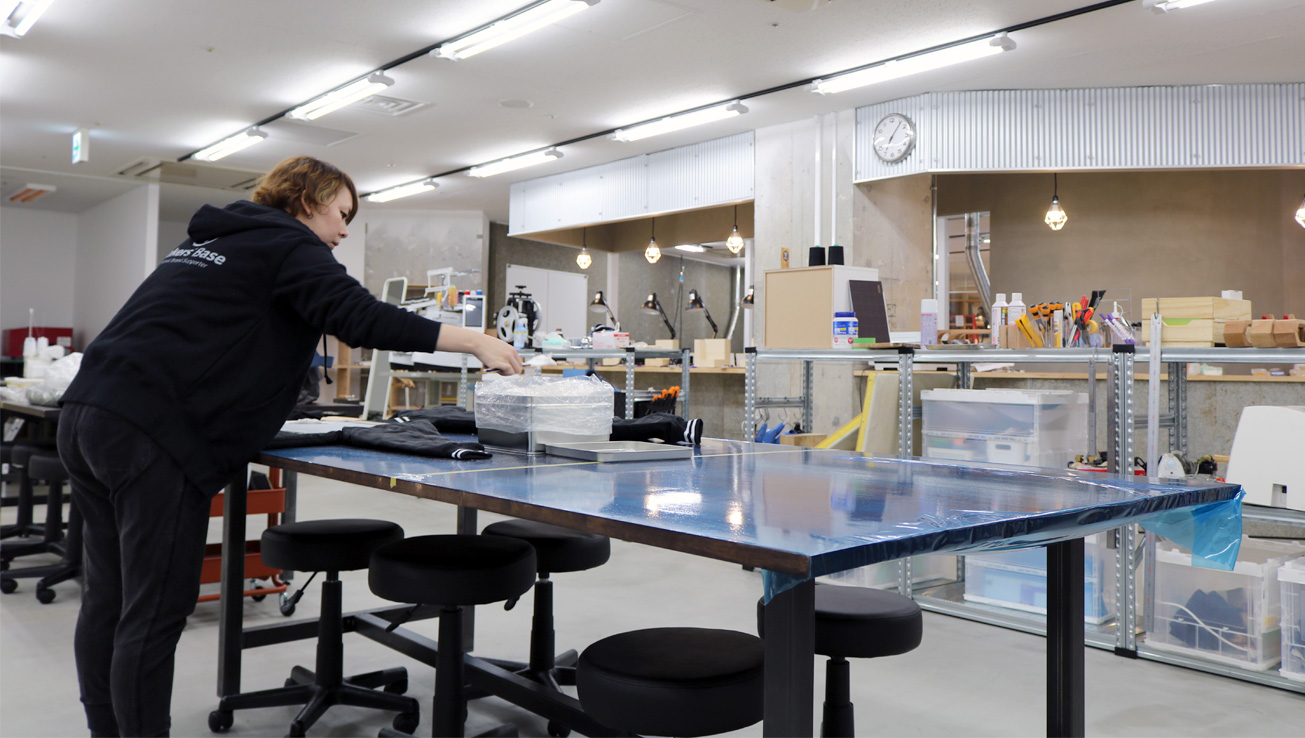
(190, 379)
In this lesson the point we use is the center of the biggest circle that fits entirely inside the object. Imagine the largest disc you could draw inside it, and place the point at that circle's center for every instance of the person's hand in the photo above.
(497, 355)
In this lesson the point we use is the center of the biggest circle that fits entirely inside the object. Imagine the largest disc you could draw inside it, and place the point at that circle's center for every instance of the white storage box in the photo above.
(1018, 579)
(999, 426)
(1232, 617)
(1291, 583)
(927, 568)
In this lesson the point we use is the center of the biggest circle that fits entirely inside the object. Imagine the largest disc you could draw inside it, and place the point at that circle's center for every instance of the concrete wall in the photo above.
(117, 247)
(38, 267)
(171, 234)
(505, 249)
(1143, 234)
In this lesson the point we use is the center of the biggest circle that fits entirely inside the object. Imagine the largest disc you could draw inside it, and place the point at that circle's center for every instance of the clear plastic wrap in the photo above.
(57, 376)
(579, 406)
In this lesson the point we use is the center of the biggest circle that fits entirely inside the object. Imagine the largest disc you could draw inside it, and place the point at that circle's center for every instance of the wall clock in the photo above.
(894, 137)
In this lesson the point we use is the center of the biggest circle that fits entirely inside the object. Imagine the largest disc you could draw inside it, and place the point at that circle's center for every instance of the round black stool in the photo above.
(673, 681)
(557, 549)
(856, 622)
(331, 546)
(45, 466)
(453, 572)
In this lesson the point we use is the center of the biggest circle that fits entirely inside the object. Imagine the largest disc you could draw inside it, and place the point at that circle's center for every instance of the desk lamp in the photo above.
(745, 304)
(599, 305)
(653, 307)
(695, 304)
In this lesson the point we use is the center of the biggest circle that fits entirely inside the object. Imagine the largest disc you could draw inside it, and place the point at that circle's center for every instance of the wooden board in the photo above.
(1186, 331)
(1209, 308)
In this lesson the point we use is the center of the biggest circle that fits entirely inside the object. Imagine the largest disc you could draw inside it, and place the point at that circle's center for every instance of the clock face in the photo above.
(894, 137)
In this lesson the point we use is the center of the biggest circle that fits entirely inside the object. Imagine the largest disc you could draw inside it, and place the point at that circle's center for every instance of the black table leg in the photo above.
(1065, 714)
(790, 662)
(232, 602)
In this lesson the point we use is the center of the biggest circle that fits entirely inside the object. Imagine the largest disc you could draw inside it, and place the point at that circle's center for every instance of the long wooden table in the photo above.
(796, 513)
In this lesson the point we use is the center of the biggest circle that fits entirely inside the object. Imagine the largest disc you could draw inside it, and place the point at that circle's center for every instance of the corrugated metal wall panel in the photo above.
(710, 173)
(1098, 128)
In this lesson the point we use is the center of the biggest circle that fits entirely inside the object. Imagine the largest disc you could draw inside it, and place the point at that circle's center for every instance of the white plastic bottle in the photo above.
(928, 322)
(998, 319)
(519, 332)
(1016, 308)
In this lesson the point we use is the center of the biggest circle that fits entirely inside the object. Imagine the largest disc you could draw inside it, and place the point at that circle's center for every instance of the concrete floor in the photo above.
(966, 679)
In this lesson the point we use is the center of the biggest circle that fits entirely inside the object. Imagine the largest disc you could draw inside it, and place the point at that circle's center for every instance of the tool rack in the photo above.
(1134, 548)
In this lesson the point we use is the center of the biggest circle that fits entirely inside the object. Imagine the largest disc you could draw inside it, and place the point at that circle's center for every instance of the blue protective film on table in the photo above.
(800, 513)
(1213, 532)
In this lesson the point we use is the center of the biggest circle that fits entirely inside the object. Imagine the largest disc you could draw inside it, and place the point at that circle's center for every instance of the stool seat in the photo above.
(46, 466)
(452, 570)
(859, 622)
(326, 545)
(557, 549)
(673, 681)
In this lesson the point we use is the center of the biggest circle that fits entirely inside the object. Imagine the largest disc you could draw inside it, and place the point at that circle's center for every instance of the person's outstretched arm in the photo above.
(495, 354)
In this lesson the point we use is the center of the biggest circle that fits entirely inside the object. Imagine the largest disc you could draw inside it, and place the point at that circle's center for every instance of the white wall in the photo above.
(38, 253)
(117, 247)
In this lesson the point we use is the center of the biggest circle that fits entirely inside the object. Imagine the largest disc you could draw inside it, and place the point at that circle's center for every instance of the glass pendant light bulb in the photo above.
(1300, 213)
(583, 259)
(735, 242)
(1056, 217)
(653, 252)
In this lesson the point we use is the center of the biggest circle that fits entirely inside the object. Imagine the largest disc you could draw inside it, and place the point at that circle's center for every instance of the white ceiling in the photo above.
(158, 80)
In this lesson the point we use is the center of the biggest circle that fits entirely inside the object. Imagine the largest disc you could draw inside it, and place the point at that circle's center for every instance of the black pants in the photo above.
(145, 530)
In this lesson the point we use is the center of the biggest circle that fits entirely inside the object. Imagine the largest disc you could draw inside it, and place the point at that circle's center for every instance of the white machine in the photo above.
(1268, 456)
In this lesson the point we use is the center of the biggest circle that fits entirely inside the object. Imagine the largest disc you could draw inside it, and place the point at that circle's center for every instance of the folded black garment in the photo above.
(417, 437)
(664, 426)
(447, 419)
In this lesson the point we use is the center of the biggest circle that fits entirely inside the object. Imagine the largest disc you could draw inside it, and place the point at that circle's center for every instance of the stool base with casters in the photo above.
(49, 469)
(330, 546)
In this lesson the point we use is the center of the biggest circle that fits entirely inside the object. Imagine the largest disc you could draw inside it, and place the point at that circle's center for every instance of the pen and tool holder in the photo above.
(816, 256)
(835, 254)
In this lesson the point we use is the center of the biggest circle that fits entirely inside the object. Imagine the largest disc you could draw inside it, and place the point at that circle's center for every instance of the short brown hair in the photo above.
(303, 178)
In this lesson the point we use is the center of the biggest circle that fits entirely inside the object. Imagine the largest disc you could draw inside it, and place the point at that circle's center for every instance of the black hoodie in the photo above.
(208, 355)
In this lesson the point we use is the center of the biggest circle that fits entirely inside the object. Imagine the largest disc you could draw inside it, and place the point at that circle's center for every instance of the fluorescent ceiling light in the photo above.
(1164, 6)
(403, 190)
(228, 146)
(679, 122)
(515, 162)
(338, 98)
(31, 12)
(895, 68)
(30, 192)
(513, 27)
(692, 248)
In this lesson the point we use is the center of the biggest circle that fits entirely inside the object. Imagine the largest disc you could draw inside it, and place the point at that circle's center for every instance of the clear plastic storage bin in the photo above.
(924, 569)
(1291, 583)
(1018, 579)
(1232, 617)
(1004, 426)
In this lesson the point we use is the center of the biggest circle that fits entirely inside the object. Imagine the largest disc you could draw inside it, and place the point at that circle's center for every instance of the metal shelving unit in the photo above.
(1133, 549)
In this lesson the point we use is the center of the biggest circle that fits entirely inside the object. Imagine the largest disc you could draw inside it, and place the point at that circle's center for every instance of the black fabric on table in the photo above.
(417, 437)
(446, 419)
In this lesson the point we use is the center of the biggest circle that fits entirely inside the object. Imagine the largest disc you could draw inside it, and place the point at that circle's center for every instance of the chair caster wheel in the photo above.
(8, 586)
(220, 720)
(287, 605)
(296, 730)
(407, 722)
(44, 595)
(557, 730)
(398, 687)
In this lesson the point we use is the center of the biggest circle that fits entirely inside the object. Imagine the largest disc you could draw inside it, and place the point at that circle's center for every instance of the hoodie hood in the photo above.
(240, 217)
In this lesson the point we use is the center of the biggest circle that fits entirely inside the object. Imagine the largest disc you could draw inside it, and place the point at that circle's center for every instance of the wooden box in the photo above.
(711, 352)
(1192, 333)
(800, 304)
(1234, 333)
(1289, 332)
(1198, 308)
(1260, 333)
